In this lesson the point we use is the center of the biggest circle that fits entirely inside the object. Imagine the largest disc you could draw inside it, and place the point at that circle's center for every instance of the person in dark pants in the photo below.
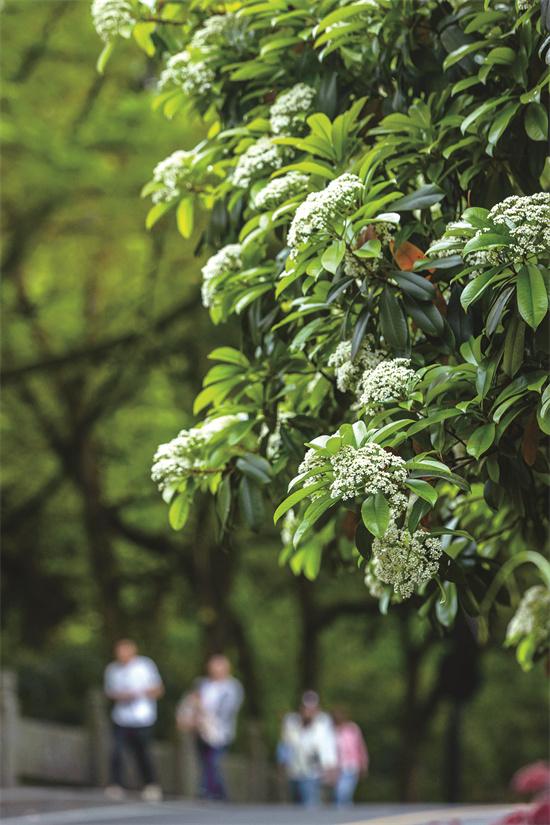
(133, 683)
(210, 712)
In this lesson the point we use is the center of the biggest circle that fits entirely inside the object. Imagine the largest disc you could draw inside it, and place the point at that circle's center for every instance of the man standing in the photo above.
(133, 683)
(210, 711)
(308, 750)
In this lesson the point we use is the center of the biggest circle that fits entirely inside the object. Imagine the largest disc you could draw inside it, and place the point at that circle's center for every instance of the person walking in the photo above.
(133, 684)
(308, 750)
(210, 711)
(353, 757)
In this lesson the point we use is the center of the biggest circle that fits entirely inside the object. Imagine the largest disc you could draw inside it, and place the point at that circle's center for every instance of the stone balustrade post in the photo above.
(99, 737)
(9, 723)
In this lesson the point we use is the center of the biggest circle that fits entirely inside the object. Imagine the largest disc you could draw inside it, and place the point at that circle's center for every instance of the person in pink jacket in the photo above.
(353, 757)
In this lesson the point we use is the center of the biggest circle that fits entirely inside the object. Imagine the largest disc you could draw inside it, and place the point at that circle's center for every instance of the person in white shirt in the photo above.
(210, 712)
(308, 750)
(133, 684)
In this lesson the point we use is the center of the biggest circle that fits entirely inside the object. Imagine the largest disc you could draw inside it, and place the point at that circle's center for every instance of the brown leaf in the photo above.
(406, 255)
(349, 524)
(530, 441)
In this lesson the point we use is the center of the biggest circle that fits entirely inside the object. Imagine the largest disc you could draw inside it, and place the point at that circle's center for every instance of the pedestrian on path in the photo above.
(210, 712)
(133, 684)
(308, 750)
(353, 757)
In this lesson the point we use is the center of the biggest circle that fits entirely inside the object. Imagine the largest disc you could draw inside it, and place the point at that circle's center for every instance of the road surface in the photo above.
(46, 806)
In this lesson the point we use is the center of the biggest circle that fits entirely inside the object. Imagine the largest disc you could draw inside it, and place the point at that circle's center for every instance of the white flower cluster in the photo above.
(194, 77)
(289, 527)
(287, 115)
(532, 618)
(388, 381)
(275, 442)
(113, 18)
(373, 583)
(279, 190)
(214, 28)
(259, 160)
(321, 209)
(349, 373)
(525, 219)
(367, 470)
(227, 261)
(528, 222)
(359, 267)
(405, 560)
(183, 455)
(170, 173)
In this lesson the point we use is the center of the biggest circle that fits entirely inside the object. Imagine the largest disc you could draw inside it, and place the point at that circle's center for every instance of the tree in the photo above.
(388, 261)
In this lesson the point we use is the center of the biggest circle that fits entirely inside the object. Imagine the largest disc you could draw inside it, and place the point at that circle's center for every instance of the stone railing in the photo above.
(37, 751)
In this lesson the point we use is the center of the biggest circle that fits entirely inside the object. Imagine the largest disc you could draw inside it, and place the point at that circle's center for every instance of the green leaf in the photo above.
(312, 514)
(446, 609)
(332, 257)
(359, 331)
(500, 123)
(501, 55)
(370, 249)
(423, 490)
(255, 467)
(375, 512)
(463, 51)
(155, 214)
(392, 322)
(363, 541)
(532, 296)
(296, 497)
(425, 316)
(421, 199)
(536, 121)
(513, 354)
(142, 35)
(487, 240)
(229, 355)
(415, 285)
(179, 511)
(475, 289)
(480, 440)
(184, 217)
(223, 501)
(251, 503)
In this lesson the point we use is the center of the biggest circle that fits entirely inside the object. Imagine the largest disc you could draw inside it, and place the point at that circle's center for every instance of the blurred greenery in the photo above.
(105, 343)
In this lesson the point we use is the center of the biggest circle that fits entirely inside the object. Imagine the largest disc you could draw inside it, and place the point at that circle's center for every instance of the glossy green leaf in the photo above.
(532, 295)
(375, 512)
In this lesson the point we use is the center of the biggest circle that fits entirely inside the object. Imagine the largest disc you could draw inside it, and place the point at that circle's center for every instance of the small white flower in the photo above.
(349, 373)
(287, 115)
(194, 77)
(279, 190)
(227, 261)
(170, 173)
(113, 18)
(532, 618)
(258, 161)
(372, 582)
(316, 215)
(185, 455)
(289, 527)
(367, 470)
(388, 381)
(405, 560)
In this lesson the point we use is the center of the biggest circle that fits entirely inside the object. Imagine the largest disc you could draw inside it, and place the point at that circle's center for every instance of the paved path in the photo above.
(35, 806)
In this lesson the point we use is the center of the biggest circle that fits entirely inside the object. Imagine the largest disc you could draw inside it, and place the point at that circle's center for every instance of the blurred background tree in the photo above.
(105, 344)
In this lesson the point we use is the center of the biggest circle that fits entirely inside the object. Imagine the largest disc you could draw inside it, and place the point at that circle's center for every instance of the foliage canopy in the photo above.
(382, 235)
